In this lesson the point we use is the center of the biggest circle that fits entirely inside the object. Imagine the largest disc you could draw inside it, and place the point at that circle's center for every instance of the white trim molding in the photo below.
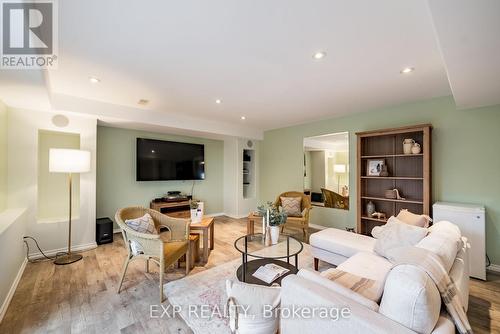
(12, 290)
(52, 252)
(494, 268)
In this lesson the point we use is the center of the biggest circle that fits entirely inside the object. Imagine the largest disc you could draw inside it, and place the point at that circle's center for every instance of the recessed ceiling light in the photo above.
(143, 102)
(94, 80)
(243, 118)
(407, 70)
(319, 55)
(218, 101)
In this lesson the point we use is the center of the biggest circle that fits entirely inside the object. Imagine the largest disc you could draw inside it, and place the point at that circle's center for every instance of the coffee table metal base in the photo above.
(253, 265)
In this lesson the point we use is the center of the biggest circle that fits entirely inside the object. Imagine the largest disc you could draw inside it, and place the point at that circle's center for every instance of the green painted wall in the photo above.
(465, 165)
(116, 184)
(3, 156)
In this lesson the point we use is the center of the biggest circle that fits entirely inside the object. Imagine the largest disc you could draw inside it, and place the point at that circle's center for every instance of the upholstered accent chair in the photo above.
(163, 249)
(334, 200)
(299, 221)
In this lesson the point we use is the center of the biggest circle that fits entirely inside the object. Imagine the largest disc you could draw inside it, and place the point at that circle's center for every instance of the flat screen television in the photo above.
(159, 160)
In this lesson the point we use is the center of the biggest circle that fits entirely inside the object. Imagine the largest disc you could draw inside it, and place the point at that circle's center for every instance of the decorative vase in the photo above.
(384, 171)
(407, 145)
(267, 236)
(416, 149)
(275, 234)
(370, 208)
(195, 217)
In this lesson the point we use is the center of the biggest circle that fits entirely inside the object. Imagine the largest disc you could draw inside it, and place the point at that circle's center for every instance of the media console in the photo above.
(173, 208)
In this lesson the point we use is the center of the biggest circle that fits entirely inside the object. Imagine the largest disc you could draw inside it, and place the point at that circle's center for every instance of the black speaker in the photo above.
(104, 231)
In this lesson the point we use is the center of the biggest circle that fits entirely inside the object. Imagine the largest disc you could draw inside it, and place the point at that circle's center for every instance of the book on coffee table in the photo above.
(269, 272)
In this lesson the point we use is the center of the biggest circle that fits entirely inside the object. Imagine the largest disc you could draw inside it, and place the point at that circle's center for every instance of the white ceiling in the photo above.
(254, 55)
(469, 37)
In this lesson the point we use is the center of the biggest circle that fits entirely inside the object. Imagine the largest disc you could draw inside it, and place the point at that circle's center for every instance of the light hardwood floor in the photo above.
(82, 298)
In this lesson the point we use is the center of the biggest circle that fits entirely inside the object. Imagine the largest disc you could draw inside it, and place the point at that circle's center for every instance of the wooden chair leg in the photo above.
(162, 270)
(282, 228)
(188, 259)
(147, 265)
(124, 270)
(316, 264)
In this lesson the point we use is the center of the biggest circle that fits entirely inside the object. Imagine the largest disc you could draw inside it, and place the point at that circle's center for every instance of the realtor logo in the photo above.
(29, 34)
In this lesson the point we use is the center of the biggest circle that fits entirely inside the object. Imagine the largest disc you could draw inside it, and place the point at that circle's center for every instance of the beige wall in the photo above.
(3, 156)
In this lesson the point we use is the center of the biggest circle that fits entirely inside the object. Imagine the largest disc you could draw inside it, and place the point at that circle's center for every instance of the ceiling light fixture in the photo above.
(407, 70)
(218, 101)
(94, 80)
(143, 102)
(243, 118)
(319, 55)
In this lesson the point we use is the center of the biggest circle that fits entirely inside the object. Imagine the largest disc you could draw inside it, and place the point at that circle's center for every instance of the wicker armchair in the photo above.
(164, 249)
(302, 221)
(334, 200)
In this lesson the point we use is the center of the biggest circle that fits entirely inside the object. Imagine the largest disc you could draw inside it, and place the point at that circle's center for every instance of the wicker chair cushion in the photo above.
(174, 250)
(144, 224)
(291, 206)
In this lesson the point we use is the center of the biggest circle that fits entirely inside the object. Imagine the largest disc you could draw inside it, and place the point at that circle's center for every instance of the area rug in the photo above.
(201, 298)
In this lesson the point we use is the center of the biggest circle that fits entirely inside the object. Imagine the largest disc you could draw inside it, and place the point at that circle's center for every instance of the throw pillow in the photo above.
(291, 206)
(413, 219)
(397, 234)
(246, 304)
(144, 224)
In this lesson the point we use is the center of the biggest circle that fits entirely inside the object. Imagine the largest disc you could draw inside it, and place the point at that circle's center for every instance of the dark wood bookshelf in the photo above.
(409, 173)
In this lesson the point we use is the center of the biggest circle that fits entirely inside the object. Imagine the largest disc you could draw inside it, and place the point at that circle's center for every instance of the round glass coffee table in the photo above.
(253, 245)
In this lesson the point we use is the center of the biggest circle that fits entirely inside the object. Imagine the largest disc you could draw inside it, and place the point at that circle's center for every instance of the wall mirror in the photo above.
(326, 170)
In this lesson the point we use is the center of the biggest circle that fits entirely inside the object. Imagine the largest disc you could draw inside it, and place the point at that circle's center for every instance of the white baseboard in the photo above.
(494, 268)
(52, 252)
(13, 287)
(235, 216)
(117, 230)
(218, 214)
(318, 227)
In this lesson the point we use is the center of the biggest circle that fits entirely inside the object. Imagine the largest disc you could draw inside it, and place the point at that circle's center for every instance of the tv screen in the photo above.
(159, 160)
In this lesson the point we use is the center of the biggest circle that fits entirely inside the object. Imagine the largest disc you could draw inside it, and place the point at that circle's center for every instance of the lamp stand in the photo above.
(69, 257)
(338, 183)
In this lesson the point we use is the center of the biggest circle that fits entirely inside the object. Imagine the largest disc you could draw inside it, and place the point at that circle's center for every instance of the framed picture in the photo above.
(374, 167)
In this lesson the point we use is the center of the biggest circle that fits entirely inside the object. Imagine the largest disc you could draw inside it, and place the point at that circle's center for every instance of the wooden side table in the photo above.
(206, 226)
(252, 218)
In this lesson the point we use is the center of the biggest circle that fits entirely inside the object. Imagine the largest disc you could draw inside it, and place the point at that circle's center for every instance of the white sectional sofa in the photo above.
(408, 300)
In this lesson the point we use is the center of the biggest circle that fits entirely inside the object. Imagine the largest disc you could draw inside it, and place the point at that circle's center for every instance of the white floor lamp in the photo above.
(70, 162)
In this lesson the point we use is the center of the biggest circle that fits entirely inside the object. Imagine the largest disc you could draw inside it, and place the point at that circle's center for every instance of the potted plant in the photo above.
(193, 206)
(272, 219)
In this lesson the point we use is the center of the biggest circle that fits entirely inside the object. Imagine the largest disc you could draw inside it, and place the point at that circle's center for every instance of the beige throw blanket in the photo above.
(431, 264)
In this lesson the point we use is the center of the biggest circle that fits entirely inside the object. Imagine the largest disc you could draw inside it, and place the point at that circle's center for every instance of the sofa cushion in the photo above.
(396, 234)
(370, 266)
(411, 298)
(445, 242)
(342, 242)
(340, 289)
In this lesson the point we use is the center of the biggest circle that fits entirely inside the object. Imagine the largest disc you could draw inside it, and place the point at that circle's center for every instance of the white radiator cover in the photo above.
(470, 219)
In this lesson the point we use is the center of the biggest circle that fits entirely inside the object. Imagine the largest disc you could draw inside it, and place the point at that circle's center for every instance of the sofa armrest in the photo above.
(299, 292)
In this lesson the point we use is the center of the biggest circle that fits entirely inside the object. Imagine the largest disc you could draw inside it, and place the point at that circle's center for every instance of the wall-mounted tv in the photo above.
(159, 160)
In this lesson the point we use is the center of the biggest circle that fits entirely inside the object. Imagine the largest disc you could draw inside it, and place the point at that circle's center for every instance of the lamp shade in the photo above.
(339, 168)
(68, 161)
